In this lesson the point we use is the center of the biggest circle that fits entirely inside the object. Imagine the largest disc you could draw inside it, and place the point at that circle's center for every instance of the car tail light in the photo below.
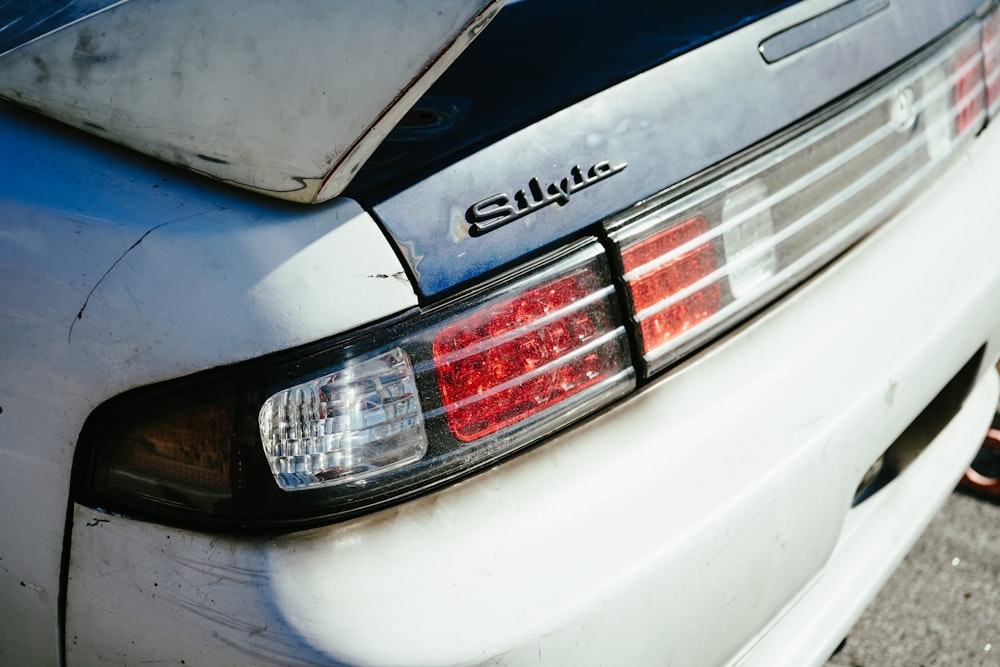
(386, 414)
(695, 262)
(350, 425)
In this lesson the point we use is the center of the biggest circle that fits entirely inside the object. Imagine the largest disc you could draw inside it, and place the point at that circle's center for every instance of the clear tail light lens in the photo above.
(747, 245)
(359, 421)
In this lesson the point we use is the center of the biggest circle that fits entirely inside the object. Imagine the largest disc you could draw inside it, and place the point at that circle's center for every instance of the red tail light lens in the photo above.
(662, 272)
(511, 360)
(968, 84)
(991, 60)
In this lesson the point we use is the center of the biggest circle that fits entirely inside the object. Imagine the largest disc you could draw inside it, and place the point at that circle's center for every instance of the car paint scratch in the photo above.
(399, 275)
(79, 314)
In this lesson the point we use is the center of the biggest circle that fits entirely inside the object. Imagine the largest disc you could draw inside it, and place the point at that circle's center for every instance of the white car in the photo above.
(449, 333)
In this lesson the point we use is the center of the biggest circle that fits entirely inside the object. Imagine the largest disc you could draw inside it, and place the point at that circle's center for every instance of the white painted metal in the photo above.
(284, 97)
(874, 539)
(121, 277)
(635, 537)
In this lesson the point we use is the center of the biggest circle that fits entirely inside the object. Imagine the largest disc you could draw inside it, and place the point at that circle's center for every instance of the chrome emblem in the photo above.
(902, 112)
(493, 212)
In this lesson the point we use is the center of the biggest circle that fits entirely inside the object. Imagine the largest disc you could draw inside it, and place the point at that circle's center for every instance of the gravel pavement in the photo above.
(942, 606)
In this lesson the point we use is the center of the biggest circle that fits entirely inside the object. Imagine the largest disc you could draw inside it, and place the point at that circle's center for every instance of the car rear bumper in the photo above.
(874, 538)
(666, 530)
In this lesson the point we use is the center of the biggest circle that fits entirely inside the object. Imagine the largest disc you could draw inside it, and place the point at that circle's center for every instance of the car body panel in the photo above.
(665, 124)
(810, 628)
(24, 20)
(221, 87)
(129, 273)
(540, 57)
(699, 488)
(691, 505)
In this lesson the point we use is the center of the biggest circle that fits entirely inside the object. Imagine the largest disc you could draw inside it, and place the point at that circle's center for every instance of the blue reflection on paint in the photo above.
(24, 20)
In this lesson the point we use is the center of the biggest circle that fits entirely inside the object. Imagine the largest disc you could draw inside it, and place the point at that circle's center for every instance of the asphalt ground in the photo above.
(942, 606)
